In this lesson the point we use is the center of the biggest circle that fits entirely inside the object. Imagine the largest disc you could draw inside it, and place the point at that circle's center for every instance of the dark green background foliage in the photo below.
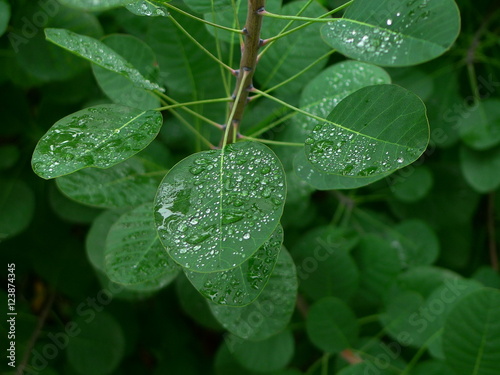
(354, 230)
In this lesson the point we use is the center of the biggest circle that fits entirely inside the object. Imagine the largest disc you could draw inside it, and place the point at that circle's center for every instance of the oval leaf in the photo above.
(134, 253)
(243, 284)
(214, 209)
(100, 136)
(331, 325)
(270, 312)
(479, 127)
(376, 130)
(471, 337)
(95, 5)
(397, 33)
(100, 54)
(127, 184)
(148, 8)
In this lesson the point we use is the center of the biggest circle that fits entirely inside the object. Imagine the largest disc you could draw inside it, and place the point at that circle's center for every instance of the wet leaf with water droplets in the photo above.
(100, 54)
(397, 33)
(127, 184)
(243, 284)
(270, 312)
(148, 8)
(100, 136)
(134, 253)
(376, 130)
(95, 5)
(212, 210)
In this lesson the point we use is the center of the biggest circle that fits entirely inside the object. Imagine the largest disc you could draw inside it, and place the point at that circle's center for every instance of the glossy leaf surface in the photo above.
(134, 253)
(377, 129)
(270, 312)
(240, 285)
(100, 54)
(148, 8)
(214, 209)
(95, 5)
(397, 33)
(100, 136)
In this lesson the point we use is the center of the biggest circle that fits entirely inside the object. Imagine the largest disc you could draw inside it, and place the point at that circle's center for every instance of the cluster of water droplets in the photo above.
(216, 207)
(241, 285)
(340, 151)
(144, 8)
(90, 137)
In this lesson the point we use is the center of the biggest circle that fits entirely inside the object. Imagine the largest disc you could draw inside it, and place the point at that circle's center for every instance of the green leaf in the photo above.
(325, 181)
(100, 136)
(99, 346)
(127, 184)
(134, 253)
(368, 367)
(479, 127)
(95, 242)
(270, 312)
(432, 367)
(331, 325)
(69, 210)
(324, 265)
(204, 6)
(243, 284)
(100, 54)
(328, 89)
(184, 67)
(291, 54)
(481, 168)
(269, 355)
(412, 184)
(397, 33)
(214, 209)
(9, 155)
(416, 243)
(375, 130)
(95, 5)
(148, 8)
(4, 16)
(119, 88)
(471, 337)
(17, 206)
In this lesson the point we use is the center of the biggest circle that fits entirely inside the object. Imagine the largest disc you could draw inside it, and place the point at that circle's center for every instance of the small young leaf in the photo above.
(331, 325)
(269, 355)
(481, 168)
(471, 337)
(127, 184)
(270, 312)
(243, 284)
(134, 253)
(375, 130)
(100, 136)
(412, 184)
(100, 54)
(397, 33)
(480, 127)
(95, 5)
(214, 209)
